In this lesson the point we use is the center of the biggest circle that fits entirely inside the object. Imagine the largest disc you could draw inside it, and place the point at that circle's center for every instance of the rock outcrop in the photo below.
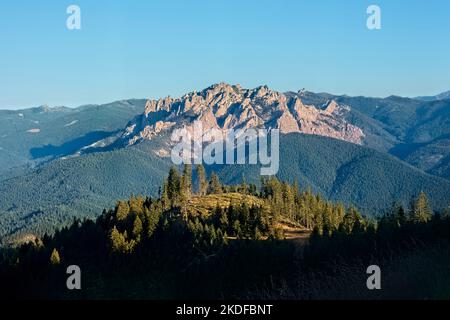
(223, 106)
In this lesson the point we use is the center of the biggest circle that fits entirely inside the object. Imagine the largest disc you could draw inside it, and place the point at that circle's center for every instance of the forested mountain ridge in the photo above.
(413, 130)
(32, 136)
(157, 247)
(82, 186)
(441, 96)
(346, 172)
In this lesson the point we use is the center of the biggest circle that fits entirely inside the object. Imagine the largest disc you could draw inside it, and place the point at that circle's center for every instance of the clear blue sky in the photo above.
(149, 49)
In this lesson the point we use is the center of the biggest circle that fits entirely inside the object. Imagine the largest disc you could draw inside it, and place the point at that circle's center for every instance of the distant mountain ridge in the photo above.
(416, 131)
(442, 96)
(32, 136)
(413, 130)
(419, 128)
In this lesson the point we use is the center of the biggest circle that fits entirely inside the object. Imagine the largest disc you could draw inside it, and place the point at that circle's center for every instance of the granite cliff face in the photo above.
(223, 106)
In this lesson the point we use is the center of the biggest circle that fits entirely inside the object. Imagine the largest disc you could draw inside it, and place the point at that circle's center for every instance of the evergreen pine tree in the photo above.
(223, 220)
(212, 235)
(201, 180)
(174, 186)
(186, 181)
(122, 210)
(401, 216)
(165, 200)
(237, 229)
(420, 210)
(244, 218)
(214, 184)
(220, 237)
(117, 240)
(257, 234)
(55, 258)
(136, 204)
(137, 228)
(186, 190)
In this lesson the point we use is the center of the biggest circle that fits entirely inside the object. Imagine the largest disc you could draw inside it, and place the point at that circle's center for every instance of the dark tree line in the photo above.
(173, 246)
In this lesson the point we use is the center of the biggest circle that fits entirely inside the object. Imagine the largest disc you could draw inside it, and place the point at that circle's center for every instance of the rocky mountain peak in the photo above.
(223, 106)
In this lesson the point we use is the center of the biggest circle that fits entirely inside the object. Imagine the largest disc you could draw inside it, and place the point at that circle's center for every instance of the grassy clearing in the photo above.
(203, 205)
